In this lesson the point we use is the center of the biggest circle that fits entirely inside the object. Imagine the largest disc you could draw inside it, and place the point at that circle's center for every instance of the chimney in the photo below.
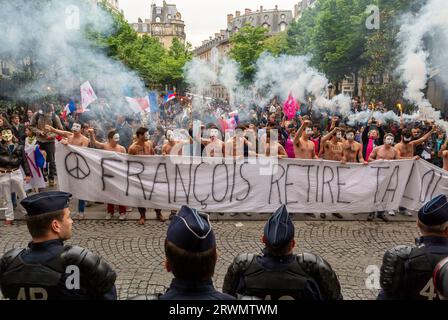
(261, 8)
(238, 13)
(247, 11)
(140, 20)
(229, 18)
(276, 7)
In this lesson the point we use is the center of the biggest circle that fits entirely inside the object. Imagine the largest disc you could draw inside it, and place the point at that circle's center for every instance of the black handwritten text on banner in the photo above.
(213, 186)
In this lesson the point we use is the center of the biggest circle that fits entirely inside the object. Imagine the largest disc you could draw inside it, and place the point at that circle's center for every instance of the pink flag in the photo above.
(138, 104)
(291, 107)
(87, 95)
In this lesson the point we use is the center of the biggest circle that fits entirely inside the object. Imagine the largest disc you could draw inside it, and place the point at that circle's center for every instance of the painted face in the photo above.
(390, 140)
(339, 135)
(116, 137)
(170, 135)
(146, 136)
(309, 132)
(76, 127)
(7, 135)
(350, 136)
(407, 139)
(214, 133)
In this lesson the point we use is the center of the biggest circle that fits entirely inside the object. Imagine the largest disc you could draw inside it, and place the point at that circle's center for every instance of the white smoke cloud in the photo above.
(416, 32)
(42, 30)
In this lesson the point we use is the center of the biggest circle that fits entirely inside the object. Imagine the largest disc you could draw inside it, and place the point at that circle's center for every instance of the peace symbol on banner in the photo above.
(76, 166)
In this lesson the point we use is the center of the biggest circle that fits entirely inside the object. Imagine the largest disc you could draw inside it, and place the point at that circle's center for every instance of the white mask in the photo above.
(407, 139)
(170, 135)
(116, 137)
(350, 136)
(309, 132)
(146, 136)
(76, 127)
(390, 141)
(214, 133)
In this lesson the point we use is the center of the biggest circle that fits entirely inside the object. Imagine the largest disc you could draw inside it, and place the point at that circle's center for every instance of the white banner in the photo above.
(213, 186)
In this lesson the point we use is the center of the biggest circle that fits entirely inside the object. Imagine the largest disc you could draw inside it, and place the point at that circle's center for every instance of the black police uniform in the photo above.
(407, 272)
(299, 277)
(191, 231)
(441, 279)
(48, 270)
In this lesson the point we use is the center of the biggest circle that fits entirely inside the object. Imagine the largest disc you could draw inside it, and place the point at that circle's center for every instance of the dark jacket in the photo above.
(187, 290)
(11, 158)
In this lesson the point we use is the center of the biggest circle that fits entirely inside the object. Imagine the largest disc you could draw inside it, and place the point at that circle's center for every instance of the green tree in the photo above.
(277, 45)
(247, 46)
(382, 52)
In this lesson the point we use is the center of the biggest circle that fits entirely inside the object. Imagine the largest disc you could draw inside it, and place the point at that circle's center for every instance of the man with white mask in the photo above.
(12, 156)
(214, 146)
(74, 138)
(303, 147)
(332, 146)
(174, 147)
(144, 147)
(112, 144)
(352, 149)
(384, 152)
(406, 148)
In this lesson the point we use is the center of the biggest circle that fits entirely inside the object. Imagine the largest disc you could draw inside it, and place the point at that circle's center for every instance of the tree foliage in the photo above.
(247, 46)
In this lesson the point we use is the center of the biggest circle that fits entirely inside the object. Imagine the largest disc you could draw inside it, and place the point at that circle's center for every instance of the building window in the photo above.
(265, 25)
(283, 26)
(158, 20)
(145, 27)
(168, 17)
(266, 18)
(283, 17)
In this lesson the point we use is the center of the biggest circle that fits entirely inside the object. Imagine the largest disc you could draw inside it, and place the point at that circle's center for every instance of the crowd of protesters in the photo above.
(310, 134)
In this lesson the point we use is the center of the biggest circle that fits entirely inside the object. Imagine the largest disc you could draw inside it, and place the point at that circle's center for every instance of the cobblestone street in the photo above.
(136, 253)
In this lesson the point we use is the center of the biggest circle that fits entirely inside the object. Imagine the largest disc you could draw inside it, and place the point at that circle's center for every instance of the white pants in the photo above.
(10, 182)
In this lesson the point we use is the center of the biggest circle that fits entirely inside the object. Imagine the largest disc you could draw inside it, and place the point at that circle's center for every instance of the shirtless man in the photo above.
(444, 154)
(280, 150)
(352, 149)
(406, 148)
(303, 146)
(74, 138)
(143, 147)
(214, 147)
(113, 138)
(235, 146)
(384, 152)
(173, 145)
(332, 146)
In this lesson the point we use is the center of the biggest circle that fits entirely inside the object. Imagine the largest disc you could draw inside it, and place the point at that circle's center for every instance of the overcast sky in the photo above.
(203, 18)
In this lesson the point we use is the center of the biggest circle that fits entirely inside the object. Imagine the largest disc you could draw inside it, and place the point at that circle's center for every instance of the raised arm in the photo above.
(425, 137)
(65, 134)
(93, 141)
(298, 135)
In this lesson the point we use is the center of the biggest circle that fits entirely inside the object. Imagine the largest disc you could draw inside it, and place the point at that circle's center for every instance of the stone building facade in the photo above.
(165, 24)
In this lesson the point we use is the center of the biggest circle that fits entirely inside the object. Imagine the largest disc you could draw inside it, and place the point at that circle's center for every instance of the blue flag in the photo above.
(153, 105)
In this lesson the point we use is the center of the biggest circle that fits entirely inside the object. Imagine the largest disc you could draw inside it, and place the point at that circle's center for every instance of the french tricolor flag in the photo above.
(170, 96)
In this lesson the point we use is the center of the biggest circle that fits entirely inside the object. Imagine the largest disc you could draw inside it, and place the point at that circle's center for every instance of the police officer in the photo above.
(406, 273)
(190, 250)
(441, 279)
(278, 274)
(48, 270)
